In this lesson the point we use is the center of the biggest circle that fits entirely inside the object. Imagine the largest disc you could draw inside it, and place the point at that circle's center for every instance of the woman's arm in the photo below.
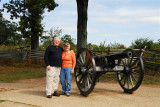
(73, 62)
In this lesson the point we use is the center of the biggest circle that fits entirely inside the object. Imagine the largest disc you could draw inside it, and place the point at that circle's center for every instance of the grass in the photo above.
(147, 80)
(151, 80)
(1, 101)
(12, 74)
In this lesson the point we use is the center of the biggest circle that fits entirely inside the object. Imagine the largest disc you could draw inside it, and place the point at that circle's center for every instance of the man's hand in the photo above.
(48, 67)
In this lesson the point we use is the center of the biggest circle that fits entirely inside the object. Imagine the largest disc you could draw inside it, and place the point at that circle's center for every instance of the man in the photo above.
(53, 60)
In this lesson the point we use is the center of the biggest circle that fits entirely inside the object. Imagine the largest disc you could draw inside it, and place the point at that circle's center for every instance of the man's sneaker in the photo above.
(49, 96)
(56, 94)
(68, 94)
(62, 93)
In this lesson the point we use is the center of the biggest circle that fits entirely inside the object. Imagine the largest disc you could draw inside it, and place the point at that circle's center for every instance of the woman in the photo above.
(68, 65)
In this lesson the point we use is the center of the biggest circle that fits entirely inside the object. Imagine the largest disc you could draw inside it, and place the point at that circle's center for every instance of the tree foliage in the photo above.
(8, 33)
(103, 46)
(142, 42)
(117, 46)
(1, 10)
(30, 13)
(69, 39)
(48, 39)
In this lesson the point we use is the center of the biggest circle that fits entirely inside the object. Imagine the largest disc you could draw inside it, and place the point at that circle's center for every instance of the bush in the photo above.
(142, 42)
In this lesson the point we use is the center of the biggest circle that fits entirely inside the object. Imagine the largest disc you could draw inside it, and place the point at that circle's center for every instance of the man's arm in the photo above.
(46, 58)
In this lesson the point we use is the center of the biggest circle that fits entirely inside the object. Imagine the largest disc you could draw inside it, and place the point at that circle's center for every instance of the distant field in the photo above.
(148, 80)
(12, 74)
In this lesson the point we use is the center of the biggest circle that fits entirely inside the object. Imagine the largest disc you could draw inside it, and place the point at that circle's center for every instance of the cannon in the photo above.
(128, 65)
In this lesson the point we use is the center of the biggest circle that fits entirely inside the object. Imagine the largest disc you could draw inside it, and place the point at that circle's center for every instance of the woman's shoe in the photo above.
(68, 94)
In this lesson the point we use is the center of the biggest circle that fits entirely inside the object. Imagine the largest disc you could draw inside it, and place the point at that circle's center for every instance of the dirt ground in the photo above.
(31, 93)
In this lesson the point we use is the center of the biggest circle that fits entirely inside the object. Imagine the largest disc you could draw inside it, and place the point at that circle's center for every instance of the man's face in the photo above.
(56, 42)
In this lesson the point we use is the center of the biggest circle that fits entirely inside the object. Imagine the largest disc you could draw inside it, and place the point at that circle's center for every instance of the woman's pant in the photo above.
(52, 79)
(66, 78)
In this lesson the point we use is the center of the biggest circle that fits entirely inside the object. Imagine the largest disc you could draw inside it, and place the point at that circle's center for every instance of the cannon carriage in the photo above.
(128, 65)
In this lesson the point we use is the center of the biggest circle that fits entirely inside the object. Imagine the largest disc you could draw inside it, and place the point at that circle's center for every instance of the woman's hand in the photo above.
(72, 71)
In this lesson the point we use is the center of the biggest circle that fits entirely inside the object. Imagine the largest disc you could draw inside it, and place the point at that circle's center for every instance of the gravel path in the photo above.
(31, 93)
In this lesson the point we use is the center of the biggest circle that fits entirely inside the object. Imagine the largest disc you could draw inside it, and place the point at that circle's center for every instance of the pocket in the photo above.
(49, 72)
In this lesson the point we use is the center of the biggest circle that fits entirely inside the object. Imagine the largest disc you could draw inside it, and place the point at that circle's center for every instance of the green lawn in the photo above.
(11, 74)
(147, 80)
(1, 101)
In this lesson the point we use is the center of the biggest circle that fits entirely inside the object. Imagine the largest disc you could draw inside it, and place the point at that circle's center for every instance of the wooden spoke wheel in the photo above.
(130, 78)
(85, 71)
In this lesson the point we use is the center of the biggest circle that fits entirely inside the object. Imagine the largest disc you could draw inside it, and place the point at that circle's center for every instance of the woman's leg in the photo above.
(62, 79)
(68, 79)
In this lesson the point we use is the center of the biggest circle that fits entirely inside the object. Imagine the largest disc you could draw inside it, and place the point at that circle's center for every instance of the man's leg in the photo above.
(49, 81)
(56, 78)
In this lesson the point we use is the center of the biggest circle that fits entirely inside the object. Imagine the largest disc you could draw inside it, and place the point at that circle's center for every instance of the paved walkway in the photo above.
(103, 95)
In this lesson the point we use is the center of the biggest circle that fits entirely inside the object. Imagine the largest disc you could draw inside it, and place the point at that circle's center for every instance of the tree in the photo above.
(93, 47)
(1, 10)
(48, 39)
(8, 33)
(142, 42)
(82, 6)
(69, 39)
(117, 46)
(30, 13)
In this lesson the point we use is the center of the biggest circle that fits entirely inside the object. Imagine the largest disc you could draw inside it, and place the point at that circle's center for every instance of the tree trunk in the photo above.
(35, 33)
(34, 42)
(82, 6)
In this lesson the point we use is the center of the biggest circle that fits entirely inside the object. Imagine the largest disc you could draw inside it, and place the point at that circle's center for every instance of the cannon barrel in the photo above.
(124, 54)
(109, 60)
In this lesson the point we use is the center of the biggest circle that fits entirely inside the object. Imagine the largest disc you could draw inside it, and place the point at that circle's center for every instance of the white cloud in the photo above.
(152, 19)
(129, 16)
(110, 35)
(92, 30)
(69, 12)
(136, 12)
(69, 29)
(152, 35)
(120, 1)
(125, 14)
(112, 19)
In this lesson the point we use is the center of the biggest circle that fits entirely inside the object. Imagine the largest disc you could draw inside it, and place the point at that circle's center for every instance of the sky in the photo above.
(113, 21)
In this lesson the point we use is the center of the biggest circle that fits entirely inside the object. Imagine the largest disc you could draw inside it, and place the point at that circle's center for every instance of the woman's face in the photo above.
(66, 48)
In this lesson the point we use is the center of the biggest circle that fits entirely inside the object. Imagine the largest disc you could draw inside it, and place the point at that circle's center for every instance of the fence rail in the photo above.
(151, 58)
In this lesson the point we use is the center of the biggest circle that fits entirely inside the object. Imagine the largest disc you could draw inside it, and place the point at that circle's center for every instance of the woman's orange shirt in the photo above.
(68, 59)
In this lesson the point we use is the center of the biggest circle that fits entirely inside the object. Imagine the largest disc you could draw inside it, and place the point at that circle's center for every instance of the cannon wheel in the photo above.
(132, 75)
(85, 71)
